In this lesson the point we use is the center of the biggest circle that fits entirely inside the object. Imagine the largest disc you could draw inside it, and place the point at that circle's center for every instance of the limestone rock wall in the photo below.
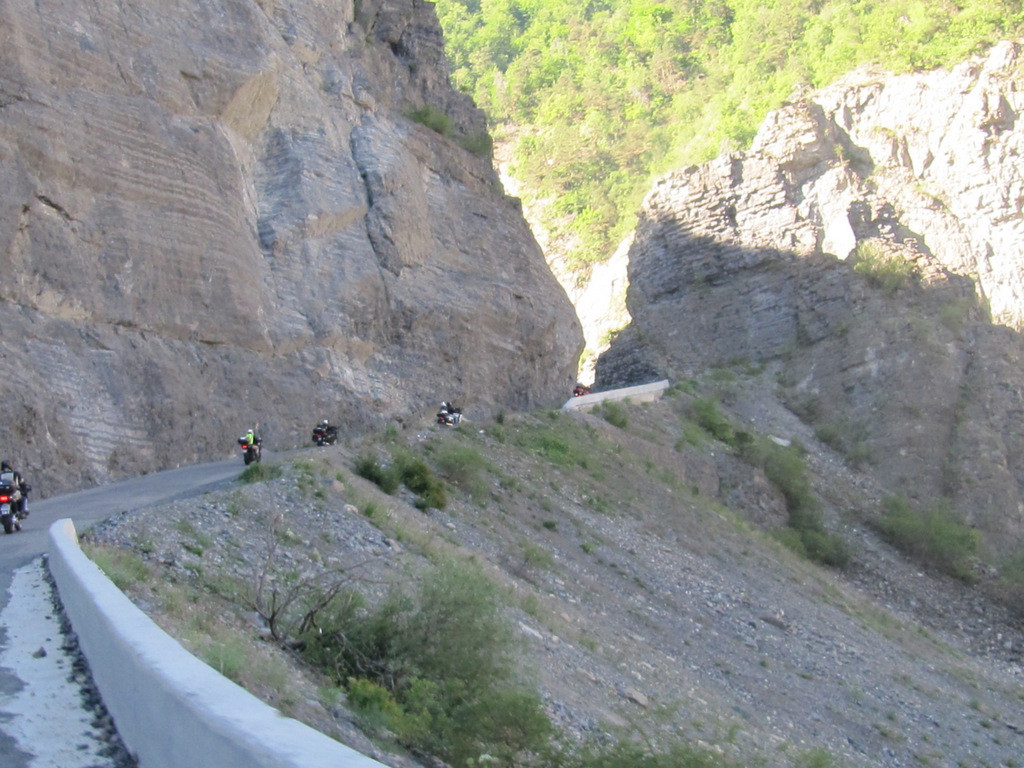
(217, 213)
(751, 257)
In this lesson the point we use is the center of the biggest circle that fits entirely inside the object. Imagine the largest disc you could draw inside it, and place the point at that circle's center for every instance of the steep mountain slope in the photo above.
(635, 567)
(233, 212)
(868, 243)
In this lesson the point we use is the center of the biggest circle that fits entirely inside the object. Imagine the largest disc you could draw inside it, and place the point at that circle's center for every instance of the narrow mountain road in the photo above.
(47, 713)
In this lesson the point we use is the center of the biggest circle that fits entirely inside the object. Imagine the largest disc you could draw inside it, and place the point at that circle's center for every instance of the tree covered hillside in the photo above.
(598, 97)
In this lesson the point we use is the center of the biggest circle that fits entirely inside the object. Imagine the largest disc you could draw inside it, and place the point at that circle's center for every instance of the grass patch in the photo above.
(258, 473)
(1011, 580)
(890, 272)
(122, 566)
(806, 534)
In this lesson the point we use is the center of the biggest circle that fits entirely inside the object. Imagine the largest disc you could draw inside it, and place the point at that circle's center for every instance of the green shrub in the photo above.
(935, 536)
(436, 668)
(465, 466)
(831, 435)
(421, 480)
(379, 712)
(709, 417)
(414, 473)
(432, 117)
(825, 548)
(614, 413)
(890, 272)
(692, 435)
(480, 144)
(785, 467)
(434, 497)
(386, 478)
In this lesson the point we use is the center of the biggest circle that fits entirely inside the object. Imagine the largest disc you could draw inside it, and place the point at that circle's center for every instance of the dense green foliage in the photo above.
(602, 95)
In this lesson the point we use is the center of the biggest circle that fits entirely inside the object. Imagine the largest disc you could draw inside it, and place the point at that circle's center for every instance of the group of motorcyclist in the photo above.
(325, 433)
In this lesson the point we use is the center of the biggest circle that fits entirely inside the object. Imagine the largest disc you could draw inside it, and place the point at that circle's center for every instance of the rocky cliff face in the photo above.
(217, 213)
(868, 242)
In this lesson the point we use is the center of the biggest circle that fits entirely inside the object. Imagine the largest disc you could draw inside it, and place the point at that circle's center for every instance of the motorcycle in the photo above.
(11, 513)
(251, 451)
(580, 390)
(325, 435)
(449, 418)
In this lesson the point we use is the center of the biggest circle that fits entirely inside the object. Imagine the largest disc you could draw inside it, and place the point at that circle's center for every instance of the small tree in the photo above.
(290, 601)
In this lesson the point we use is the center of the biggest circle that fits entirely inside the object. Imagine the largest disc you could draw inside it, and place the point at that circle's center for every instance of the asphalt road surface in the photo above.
(45, 720)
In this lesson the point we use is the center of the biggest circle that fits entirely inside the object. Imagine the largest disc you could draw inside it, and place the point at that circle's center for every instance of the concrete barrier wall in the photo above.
(171, 709)
(643, 393)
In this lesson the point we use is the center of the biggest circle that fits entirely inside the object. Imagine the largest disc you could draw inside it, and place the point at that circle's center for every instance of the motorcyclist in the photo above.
(325, 433)
(448, 413)
(249, 439)
(11, 478)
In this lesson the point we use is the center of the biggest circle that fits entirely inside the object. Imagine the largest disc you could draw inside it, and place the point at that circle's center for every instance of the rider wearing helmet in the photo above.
(11, 478)
(325, 433)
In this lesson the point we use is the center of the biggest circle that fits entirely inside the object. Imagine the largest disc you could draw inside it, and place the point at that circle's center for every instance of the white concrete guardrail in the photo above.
(172, 710)
(643, 393)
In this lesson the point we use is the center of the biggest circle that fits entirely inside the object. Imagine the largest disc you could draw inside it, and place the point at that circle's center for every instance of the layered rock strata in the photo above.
(868, 243)
(227, 213)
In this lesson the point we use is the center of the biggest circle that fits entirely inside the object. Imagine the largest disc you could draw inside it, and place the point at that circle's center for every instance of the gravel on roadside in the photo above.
(57, 716)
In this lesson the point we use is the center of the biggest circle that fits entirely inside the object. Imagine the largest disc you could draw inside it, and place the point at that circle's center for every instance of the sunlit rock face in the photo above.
(218, 214)
(754, 257)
